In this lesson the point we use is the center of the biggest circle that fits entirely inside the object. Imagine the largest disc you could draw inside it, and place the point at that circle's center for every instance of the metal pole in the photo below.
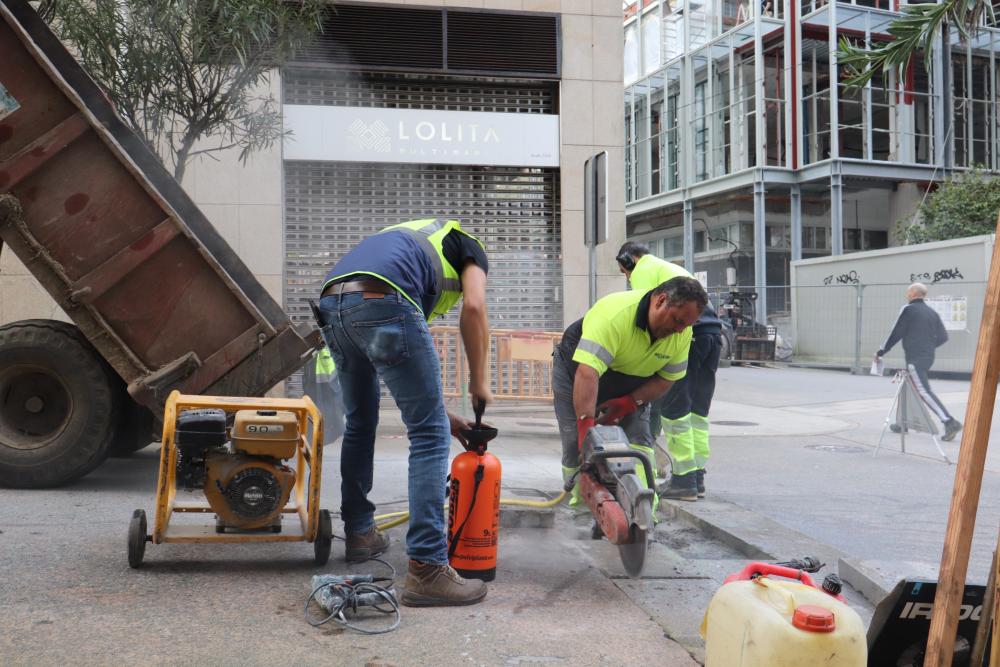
(689, 234)
(760, 247)
(796, 214)
(857, 330)
(592, 252)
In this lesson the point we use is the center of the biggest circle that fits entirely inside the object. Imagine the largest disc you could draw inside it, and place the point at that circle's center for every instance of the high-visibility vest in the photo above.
(429, 234)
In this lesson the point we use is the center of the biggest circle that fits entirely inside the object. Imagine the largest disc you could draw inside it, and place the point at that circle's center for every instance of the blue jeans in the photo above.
(388, 337)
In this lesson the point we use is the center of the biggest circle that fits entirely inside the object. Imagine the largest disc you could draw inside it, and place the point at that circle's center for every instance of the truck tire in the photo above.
(57, 412)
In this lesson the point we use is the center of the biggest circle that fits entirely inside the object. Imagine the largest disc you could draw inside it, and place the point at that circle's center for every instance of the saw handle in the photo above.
(630, 454)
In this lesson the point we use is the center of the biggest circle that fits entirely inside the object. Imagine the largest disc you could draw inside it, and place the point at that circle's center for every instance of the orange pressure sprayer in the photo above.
(474, 504)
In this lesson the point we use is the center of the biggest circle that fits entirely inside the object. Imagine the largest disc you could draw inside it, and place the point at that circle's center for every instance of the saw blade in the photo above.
(633, 554)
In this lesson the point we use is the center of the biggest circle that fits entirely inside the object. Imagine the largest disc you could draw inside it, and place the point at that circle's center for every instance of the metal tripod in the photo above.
(898, 414)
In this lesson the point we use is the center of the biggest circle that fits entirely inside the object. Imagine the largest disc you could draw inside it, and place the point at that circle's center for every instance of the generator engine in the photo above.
(239, 467)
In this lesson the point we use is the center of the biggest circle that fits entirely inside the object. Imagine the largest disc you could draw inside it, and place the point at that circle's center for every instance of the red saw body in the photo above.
(622, 506)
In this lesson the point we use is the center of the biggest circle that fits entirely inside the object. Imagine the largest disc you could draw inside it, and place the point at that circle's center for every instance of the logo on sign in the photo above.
(374, 137)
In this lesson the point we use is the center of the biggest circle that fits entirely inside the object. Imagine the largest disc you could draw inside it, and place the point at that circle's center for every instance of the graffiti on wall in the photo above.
(934, 277)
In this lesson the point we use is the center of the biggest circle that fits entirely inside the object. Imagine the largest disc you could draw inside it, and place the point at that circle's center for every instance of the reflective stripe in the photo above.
(675, 368)
(699, 422)
(452, 285)
(596, 350)
(433, 226)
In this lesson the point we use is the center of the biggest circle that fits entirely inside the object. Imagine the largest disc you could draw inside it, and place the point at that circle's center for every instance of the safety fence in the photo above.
(844, 323)
(520, 363)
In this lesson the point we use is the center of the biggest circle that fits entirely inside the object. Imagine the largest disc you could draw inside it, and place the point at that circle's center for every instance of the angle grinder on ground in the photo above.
(621, 504)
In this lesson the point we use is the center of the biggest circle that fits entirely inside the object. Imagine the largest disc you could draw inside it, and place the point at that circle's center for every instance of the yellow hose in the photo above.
(399, 518)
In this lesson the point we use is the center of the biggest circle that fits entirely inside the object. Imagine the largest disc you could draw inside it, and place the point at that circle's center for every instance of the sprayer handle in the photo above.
(478, 408)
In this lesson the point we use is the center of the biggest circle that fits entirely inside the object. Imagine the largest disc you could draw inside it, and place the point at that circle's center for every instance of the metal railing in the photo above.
(520, 363)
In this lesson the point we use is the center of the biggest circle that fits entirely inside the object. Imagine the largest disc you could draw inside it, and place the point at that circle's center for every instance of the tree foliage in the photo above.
(912, 33)
(965, 205)
(182, 72)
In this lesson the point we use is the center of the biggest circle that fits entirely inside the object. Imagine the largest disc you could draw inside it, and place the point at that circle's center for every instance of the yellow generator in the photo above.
(254, 460)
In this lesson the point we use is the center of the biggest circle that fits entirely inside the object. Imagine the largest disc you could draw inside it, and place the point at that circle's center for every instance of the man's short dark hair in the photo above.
(681, 290)
(633, 249)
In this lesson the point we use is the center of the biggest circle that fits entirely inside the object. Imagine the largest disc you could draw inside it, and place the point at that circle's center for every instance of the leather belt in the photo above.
(371, 285)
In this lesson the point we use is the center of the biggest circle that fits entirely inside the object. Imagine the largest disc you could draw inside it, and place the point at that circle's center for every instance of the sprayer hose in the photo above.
(393, 519)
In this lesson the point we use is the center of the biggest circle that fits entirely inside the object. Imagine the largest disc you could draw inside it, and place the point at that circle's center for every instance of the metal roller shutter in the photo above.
(330, 207)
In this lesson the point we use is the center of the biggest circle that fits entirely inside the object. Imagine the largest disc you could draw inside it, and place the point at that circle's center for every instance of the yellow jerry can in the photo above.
(756, 620)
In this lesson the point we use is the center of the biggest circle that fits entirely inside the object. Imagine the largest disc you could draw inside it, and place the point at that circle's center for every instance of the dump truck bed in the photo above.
(110, 234)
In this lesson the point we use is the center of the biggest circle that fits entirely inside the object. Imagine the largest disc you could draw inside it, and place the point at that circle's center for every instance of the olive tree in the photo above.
(188, 75)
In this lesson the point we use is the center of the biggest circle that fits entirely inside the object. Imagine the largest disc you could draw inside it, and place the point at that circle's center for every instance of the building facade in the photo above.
(479, 110)
(745, 149)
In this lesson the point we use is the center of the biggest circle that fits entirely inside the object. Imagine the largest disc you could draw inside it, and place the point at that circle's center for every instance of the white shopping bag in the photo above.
(878, 367)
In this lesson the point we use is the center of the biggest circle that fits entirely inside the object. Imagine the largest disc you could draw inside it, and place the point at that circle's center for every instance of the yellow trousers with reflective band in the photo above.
(640, 471)
(699, 429)
(687, 443)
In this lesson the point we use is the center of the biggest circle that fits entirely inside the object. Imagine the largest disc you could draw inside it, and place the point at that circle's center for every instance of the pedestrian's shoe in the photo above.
(896, 428)
(430, 585)
(362, 546)
(951, 429)
(680, 487)
(700, 476)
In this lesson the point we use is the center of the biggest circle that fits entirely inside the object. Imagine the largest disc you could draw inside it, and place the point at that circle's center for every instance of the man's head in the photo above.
(675, 305)
(628, 255)
(916, 291)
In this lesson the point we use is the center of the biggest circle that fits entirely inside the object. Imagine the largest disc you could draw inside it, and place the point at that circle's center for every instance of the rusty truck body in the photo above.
(158, 299)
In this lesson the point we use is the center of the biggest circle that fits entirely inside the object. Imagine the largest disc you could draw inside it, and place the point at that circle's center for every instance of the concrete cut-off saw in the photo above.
(621, 504)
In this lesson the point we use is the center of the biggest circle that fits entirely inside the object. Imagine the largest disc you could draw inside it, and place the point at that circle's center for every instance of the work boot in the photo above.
(896, 428)
(362, 546)
(951, 429)
(430, 585)
(681, 487)
(700, 476)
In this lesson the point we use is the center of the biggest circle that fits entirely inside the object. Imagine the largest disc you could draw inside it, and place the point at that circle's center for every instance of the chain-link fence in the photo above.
(843, 323)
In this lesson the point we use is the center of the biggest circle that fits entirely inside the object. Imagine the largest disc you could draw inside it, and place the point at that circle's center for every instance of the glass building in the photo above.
(744, 147)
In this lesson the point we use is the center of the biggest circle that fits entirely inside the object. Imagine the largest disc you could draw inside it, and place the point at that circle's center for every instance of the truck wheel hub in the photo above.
(35, 407)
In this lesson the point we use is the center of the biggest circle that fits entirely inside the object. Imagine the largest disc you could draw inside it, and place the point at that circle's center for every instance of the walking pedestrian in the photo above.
(921, 330)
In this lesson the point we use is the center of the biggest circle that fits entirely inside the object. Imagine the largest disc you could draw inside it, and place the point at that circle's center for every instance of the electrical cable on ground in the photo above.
(337, 595)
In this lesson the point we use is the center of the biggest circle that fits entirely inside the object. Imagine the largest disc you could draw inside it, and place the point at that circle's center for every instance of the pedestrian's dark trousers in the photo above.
(918, 368)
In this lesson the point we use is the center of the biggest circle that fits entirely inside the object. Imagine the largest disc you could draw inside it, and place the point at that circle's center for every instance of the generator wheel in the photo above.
(57, 410)
(324, 538)
(136, 539)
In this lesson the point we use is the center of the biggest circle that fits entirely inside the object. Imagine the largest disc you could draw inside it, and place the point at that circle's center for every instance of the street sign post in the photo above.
(595, 212)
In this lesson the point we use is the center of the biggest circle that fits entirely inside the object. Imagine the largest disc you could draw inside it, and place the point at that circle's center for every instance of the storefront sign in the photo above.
(359, 134)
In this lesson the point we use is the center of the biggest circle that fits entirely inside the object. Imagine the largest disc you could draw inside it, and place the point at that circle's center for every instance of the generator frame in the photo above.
(314, 524)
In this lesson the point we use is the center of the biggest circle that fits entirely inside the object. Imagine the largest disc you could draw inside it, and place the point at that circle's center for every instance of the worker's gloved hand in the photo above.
(457, 423)
(583, 424)
(613, 411)
(880, 353)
